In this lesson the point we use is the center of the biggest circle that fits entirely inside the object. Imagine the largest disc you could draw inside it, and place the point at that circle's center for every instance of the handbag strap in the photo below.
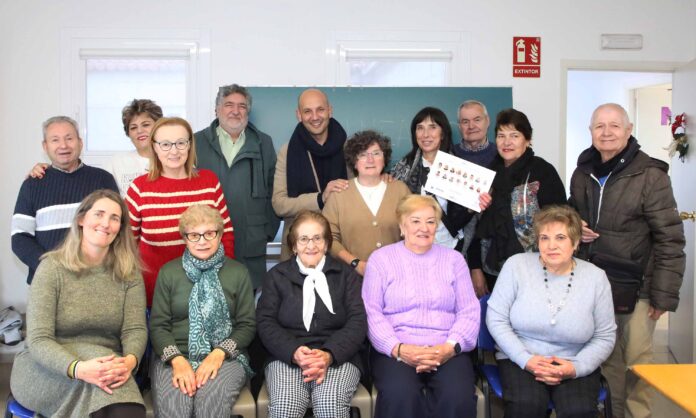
(314, 171)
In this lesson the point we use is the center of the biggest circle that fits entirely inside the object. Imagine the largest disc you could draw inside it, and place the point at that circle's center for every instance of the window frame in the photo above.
(78, 45)
(344, 46)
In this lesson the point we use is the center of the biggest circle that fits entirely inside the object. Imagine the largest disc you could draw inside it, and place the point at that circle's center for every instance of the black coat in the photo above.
(279, 314)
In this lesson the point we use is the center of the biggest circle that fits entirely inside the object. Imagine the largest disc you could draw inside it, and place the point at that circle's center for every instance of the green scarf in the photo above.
(209, 314)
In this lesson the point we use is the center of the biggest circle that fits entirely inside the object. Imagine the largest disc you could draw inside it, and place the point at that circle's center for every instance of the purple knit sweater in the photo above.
(423, 299)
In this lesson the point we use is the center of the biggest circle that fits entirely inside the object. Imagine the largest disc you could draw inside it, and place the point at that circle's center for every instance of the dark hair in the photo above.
(361, 141)
(304, 216)
(562, 214)
(138, 106)
(437, 116)
(516, 119)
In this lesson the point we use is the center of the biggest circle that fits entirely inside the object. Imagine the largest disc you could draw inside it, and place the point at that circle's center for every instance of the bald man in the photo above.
(632, 231)
(311, 165)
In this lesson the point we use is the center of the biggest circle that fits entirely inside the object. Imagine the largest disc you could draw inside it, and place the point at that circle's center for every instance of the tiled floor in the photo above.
(662, 407)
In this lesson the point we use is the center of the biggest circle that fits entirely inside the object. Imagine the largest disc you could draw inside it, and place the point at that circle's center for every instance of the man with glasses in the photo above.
(311, 165)
(244, 159)
(46, 206)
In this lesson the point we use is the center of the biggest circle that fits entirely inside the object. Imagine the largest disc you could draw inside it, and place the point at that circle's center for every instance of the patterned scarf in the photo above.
(209, 314)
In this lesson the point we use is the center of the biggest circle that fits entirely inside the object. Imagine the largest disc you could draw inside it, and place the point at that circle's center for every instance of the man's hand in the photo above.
(588, 235)
(655, 313)
(479, 282)
(334, 186)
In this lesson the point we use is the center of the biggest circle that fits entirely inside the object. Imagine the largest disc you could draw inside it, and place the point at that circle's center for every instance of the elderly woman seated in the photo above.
(312, 321)
(423, 317)
(201, 323)
(553, 318)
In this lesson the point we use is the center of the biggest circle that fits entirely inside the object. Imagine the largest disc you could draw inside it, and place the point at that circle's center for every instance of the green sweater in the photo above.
(77, 316)
(169, 321)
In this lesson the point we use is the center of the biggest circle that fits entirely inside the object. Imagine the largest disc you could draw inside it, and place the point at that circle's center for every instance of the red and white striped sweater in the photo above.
(155, 208)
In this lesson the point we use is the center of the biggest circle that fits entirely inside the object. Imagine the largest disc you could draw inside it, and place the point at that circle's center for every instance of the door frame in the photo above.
(598, 65)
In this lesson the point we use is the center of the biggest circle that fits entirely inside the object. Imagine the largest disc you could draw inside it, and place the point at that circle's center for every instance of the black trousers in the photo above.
(527, 398)
(120, 410)
(445, 393)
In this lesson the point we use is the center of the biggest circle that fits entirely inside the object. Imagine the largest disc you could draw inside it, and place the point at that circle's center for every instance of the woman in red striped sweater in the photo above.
(156, 200)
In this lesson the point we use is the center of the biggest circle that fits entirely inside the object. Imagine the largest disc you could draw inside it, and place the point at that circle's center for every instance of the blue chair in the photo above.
(490, 377)
(15, 409)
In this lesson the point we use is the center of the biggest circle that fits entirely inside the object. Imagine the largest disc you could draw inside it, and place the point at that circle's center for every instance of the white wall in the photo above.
(282, 42)
(682, 324)
(588, 89)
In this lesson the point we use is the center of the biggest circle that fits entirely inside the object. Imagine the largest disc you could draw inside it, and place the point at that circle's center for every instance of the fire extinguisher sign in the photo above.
(526, 56)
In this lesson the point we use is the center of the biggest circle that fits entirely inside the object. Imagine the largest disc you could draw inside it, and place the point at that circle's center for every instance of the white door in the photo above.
(682, 324)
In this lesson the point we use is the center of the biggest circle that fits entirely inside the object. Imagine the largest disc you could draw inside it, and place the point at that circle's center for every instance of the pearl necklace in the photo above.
(553, 308)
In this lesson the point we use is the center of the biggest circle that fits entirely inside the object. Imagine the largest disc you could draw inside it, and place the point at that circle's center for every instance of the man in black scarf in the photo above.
(311, 166)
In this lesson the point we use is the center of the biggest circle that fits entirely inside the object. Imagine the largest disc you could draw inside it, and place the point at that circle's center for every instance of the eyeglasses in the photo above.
(374, 154)
(181, 144)
(195, 236)
(304, 240)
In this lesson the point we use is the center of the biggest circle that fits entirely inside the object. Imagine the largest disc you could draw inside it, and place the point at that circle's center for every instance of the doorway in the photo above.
(642, 94)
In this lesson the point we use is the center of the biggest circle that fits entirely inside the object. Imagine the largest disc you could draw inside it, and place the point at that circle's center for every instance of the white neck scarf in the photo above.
(315, 280)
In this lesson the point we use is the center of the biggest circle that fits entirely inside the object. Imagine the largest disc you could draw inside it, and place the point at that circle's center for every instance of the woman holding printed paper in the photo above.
(431, 132)
(523, 184)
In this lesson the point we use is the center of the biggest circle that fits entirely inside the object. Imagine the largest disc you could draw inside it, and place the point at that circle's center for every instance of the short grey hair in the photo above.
(615, 106)
(469, 103)
(59, 119)
(225, 91)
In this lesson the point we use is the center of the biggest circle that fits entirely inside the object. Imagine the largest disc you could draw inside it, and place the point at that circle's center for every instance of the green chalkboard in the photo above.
(388, 110)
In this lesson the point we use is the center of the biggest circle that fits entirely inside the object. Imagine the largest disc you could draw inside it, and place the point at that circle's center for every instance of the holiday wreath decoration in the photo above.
(680, 142)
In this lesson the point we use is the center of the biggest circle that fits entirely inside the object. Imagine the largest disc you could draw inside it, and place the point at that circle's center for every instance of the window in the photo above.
(106, 69)
(113, 82)
(397, 59)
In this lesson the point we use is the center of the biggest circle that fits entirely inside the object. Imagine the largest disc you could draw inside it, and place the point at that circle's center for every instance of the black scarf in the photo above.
(328, 159)
(496, 222)
(602, 169)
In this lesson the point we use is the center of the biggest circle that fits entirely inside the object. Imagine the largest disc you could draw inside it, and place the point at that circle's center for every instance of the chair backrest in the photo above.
(485, 340)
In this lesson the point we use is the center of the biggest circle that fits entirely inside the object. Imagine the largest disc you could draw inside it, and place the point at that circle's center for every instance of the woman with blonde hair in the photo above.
(202, 321)
(156, 200)
(420, 338)
(86, 328)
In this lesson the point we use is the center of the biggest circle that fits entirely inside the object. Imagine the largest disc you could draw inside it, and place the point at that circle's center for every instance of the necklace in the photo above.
(553, 308)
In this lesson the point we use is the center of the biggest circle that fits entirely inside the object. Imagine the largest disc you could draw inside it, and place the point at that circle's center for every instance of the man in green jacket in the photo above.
(243, 158)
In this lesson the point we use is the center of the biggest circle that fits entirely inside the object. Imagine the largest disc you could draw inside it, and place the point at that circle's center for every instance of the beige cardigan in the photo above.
(355, 228)
(285, 206)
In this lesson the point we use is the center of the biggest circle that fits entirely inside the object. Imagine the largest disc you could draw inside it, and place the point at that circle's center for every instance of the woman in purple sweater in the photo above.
(423, 316)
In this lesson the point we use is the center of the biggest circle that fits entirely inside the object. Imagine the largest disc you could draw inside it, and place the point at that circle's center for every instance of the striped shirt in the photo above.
(46, 207)
(155, 208)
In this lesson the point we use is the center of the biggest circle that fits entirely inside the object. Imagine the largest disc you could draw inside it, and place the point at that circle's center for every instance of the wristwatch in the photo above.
(456, 346)
(355, 263)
